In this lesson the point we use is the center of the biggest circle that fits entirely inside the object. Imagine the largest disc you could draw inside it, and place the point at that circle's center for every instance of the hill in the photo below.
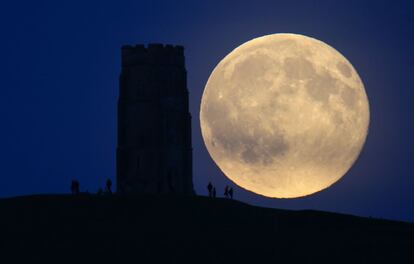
(174, 229)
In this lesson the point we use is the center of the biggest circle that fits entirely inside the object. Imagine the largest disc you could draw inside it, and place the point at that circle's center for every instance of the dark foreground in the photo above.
(168, 229)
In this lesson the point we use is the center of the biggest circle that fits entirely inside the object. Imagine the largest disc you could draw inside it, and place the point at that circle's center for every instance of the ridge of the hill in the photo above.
(180, 229)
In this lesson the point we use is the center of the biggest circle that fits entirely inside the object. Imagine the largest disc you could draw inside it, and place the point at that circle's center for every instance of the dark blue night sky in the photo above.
(59, 68)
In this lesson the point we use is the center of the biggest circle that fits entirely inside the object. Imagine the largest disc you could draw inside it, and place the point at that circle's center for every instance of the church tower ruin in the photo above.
(154, 152)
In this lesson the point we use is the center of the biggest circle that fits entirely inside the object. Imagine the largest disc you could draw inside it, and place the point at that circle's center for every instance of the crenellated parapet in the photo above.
(156, 54)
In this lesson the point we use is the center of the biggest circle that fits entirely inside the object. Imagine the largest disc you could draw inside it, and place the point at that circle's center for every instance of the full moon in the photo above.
(284, 115)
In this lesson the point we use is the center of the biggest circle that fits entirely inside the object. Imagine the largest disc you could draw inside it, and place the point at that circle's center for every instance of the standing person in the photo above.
(109, 186)
(226, 192)
(214, 192)
(74, 187)
(77, 187)
(209, 188)
(231, 193)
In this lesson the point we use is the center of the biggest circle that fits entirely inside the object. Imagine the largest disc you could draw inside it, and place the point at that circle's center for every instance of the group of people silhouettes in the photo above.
(211, 190)
(75, 188)
(228, 191)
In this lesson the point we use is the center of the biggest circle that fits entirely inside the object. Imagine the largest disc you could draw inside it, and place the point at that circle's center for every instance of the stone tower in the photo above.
(154, 152)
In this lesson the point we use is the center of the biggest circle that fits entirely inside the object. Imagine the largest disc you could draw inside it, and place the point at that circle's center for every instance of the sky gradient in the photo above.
(60, 62)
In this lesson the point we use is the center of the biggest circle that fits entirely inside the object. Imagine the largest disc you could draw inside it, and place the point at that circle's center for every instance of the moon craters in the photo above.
(298, 68)
(249, 139)
(321, 86)
(344, 69)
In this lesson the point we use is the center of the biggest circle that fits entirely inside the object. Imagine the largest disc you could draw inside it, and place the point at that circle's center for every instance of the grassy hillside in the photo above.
(171, 229)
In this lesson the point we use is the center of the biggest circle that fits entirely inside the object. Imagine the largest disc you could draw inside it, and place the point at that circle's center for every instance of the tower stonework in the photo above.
(154, 152)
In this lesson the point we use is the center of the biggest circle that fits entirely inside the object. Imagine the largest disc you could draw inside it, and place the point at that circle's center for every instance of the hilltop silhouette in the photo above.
(179, 229)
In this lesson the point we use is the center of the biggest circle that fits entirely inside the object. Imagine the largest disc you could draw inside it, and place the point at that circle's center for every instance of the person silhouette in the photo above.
(231, 193)
(210, 188)
(226, 192)
(77, 187)
(74, 187)
(214, 192)
(109, 186)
